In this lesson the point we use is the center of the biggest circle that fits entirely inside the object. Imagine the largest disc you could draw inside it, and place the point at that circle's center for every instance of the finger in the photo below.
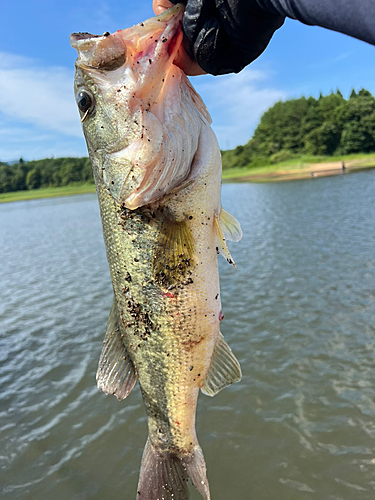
(182, 60)
(160, 6)
(187, 64)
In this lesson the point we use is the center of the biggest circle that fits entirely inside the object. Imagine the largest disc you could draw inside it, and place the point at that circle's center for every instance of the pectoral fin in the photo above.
(224, 370)
(227, 228)
(174, 252)
(116, 373)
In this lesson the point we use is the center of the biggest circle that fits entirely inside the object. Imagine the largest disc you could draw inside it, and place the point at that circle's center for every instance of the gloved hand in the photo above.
(224, 36)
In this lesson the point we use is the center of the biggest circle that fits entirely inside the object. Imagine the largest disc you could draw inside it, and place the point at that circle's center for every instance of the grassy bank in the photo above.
(297, 168)
(301, 168)
(33, 194)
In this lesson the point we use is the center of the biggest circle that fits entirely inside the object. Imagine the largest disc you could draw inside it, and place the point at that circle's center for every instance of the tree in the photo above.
(5, 178)
(358, 133)
(280, 127)
(324, 126)
(33, 179)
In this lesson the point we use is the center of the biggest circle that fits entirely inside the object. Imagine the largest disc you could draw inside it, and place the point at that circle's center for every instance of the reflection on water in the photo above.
(299, 314)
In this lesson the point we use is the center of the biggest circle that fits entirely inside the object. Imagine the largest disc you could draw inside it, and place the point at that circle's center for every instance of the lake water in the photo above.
(299, 314)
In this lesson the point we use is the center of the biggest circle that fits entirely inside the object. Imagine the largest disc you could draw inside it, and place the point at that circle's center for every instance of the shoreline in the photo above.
(307, 171)
(35, 194)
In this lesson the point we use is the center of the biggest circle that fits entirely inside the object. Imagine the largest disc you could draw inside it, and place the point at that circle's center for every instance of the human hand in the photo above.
(223, 36)
(183, 60)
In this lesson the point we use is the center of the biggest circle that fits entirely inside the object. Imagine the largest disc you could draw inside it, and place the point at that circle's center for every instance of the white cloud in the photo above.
(342, 56)
(324, 63)
(39, 103)
(38, 95)
(236, 103)
(31, 143)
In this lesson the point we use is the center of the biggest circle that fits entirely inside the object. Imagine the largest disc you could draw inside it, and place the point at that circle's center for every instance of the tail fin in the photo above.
(164, 475)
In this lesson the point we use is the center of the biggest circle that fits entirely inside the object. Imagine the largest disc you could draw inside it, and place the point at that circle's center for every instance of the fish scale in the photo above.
(163, 225)
(180, 320)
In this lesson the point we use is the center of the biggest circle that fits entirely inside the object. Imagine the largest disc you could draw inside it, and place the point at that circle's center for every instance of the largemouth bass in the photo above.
(157, 170)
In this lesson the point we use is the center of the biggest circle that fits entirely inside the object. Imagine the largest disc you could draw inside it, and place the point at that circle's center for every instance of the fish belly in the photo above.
(168, 303)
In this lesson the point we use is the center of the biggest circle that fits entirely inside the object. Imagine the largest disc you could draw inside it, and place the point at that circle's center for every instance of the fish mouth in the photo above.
(103, 52)
(76, 38)
(109, 51)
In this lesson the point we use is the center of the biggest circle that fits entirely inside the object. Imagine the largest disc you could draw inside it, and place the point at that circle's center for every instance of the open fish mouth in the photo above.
(103, 52)
(76, 37)
(109, 51)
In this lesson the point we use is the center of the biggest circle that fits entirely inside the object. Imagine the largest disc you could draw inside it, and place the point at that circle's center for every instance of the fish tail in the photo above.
(164, 475)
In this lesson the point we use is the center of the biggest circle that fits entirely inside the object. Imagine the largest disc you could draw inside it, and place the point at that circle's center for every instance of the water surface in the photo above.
(299, 314)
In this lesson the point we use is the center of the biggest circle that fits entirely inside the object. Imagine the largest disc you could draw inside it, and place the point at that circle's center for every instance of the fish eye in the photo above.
(85, 101)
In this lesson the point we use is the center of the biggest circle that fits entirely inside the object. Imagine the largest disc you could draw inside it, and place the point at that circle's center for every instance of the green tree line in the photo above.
(329, 125)
(49, 172)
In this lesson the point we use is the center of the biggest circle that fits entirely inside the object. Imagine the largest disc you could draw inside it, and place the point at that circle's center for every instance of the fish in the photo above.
(157, 168)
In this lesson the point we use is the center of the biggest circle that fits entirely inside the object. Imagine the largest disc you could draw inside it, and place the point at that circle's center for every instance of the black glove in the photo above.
(224, 36)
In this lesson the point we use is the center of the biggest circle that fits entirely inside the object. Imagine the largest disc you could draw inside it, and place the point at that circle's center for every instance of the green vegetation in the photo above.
(291, 136)
(47, 173)
(300, 168)
(294, 130)
(47, 192)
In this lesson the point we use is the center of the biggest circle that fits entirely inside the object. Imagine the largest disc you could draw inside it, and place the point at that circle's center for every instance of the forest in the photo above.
(49, 172)
(329, 125)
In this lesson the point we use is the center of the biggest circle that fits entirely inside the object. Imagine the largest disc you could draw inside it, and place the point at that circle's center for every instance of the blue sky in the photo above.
(38, 116)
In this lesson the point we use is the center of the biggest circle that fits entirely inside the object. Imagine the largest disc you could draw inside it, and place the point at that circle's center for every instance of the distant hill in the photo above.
(50, 172)
(329, 125)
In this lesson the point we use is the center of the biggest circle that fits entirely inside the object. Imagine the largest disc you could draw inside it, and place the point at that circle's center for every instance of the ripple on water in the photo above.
(299, 314)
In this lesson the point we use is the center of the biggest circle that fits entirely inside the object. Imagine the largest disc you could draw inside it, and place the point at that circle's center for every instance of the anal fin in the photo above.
(224, 369)
(116, 373)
